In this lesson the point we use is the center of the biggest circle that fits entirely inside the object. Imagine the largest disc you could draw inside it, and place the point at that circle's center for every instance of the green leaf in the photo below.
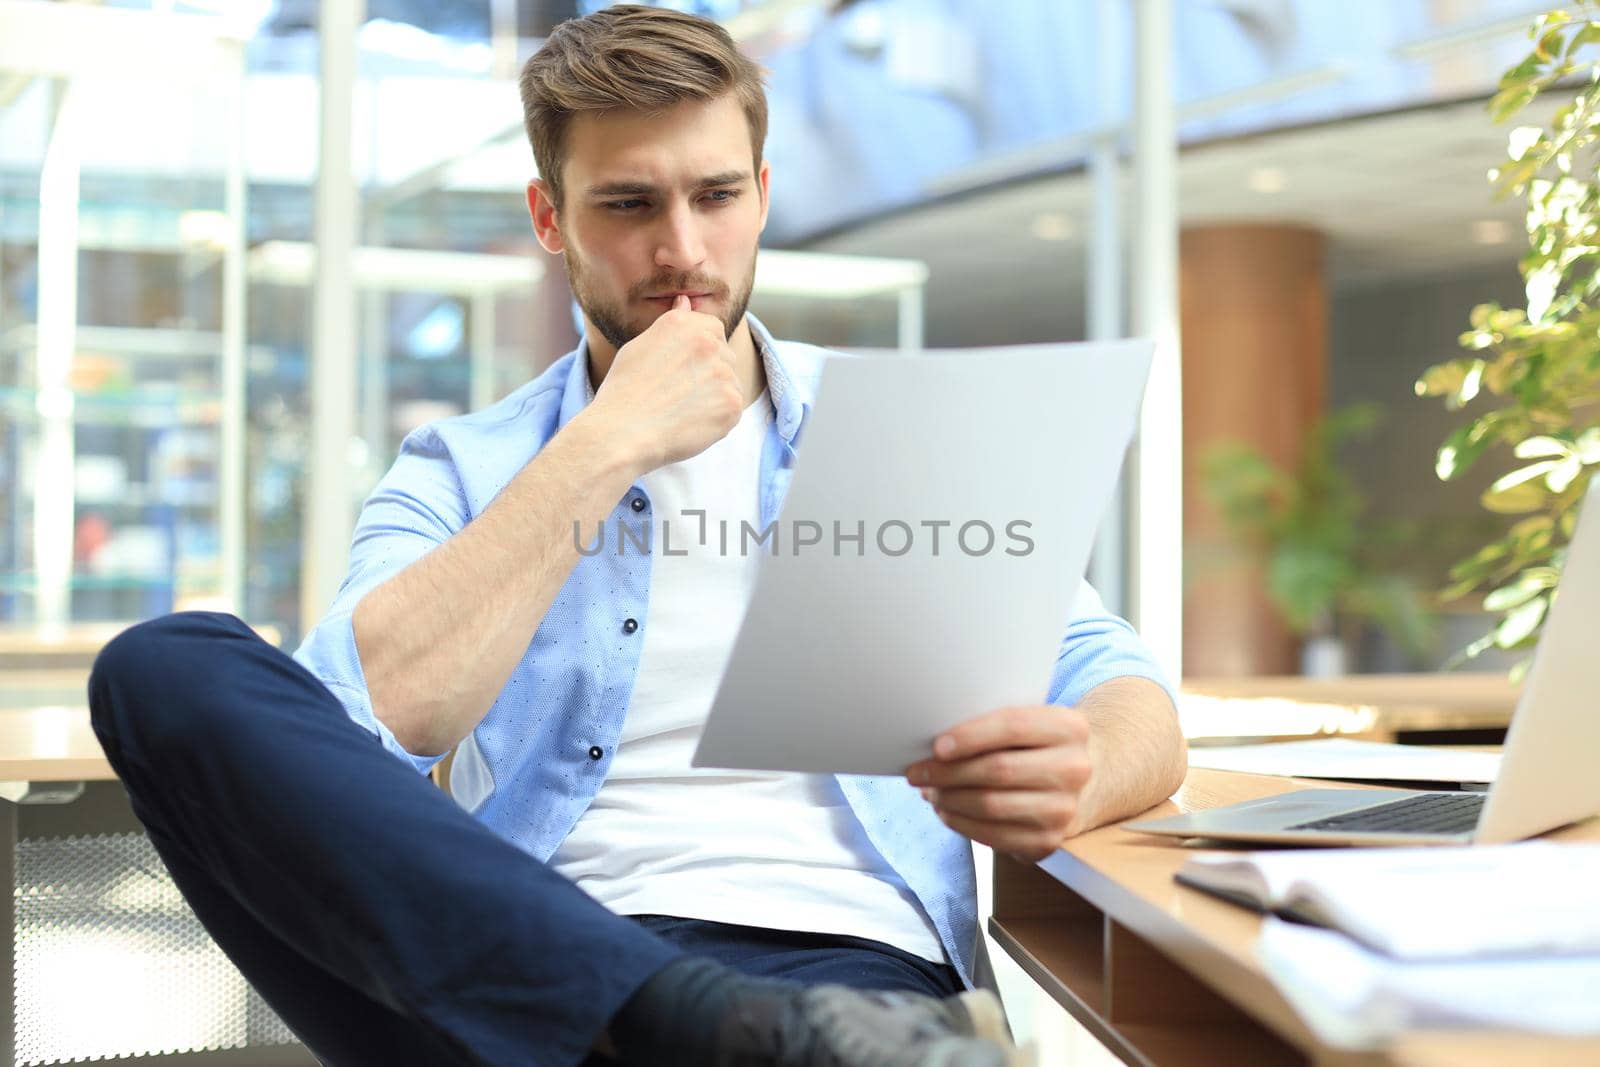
(1443, 379)
(1588, 445)
(1524, 475)
(1482, 561)
(1549, 44)
(1461, 450)
(1472, 651)
(1468, 388)
(1516, 499)
(1521, 623)
(1510, 596)
(1549, 20)
(1530, 538)
(1530, 583)
(1500, 375)
(1507, 319)
(1589, 34)
(1509, 101)
(1563, 476)
(1534, 447)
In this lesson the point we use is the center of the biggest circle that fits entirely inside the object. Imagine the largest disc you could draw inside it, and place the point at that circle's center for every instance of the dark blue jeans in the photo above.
(383, 923)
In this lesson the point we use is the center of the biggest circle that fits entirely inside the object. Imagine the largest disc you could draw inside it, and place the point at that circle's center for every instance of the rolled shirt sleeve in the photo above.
(418, 505)
(1099, 646)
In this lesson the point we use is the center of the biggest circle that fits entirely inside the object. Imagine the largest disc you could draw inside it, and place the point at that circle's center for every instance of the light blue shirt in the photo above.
(535, 761)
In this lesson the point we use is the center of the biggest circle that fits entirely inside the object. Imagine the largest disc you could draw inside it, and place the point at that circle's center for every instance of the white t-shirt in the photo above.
(776, 850)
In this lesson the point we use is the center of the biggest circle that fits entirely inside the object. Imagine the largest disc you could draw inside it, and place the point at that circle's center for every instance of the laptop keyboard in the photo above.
(1430, 813)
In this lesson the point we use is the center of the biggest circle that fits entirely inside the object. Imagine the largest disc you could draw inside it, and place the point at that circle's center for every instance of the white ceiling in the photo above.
(1397, 196)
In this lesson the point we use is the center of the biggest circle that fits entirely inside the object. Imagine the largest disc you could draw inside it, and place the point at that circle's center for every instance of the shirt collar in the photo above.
(790, 395)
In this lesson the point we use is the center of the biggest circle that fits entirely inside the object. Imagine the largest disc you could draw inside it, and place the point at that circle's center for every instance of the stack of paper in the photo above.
(1355, 998)
(1531, 898)
(1504, 936)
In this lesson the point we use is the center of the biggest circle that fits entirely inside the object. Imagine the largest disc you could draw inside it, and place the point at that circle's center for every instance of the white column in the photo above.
(1157, 461)
(328, 516)
(1105, 282)
(503, 38)
(231, 466)
(57, 340)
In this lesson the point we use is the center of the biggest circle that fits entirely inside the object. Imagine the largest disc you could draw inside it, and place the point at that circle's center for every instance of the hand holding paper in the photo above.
(1010, 779)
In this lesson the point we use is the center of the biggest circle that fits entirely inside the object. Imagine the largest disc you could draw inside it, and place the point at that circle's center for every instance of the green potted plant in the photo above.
(1531, 375)
(1330, 568)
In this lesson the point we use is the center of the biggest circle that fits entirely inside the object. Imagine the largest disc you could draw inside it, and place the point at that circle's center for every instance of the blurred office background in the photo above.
(180, 427)
(157, 224)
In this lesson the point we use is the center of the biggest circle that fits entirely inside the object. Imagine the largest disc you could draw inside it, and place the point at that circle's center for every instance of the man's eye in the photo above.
(723, 196)
(624, 205)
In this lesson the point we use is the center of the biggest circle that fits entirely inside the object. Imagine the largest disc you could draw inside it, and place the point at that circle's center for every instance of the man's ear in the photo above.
(762, 180)
(542, 210)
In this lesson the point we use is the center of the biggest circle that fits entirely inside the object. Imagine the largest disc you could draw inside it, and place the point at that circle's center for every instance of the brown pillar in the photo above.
(1255, 327)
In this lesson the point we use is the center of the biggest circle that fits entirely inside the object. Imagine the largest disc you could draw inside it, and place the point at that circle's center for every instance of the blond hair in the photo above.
(632, 58)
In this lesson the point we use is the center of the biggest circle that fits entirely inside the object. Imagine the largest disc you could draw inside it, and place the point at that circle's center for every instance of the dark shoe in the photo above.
(834, 1026)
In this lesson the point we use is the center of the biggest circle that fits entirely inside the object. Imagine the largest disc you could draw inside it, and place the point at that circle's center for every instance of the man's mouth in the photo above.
(696, 299)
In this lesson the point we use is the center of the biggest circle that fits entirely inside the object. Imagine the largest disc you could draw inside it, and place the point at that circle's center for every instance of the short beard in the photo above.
(611, 319)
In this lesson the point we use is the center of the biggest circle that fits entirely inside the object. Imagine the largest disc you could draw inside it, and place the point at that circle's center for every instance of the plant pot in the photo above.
(1323, 656)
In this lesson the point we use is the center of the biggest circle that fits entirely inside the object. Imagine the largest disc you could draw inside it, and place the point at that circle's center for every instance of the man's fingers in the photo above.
(1029, 809)
(1021, 727)
(1060, 767)
(704, 322)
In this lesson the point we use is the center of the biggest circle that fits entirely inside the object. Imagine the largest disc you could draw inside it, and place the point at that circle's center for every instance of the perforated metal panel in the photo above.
(110, 961)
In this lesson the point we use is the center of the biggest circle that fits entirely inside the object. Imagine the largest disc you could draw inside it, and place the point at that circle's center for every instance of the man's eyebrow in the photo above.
(727, 177)
(635, 188)
(621, 189)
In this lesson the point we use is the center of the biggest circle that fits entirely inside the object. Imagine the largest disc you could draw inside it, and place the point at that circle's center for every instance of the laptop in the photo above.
(1547, 773)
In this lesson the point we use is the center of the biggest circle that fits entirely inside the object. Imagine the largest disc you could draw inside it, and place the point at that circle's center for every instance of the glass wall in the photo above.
(114, 359)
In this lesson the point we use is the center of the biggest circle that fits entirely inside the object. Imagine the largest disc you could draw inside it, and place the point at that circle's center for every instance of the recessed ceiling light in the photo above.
(1267, 180)
(1490, 232)
(1053, 226)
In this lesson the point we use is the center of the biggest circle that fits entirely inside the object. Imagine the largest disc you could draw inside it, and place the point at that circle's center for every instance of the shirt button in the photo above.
(629, 625)
(638, 503)
(595, 752)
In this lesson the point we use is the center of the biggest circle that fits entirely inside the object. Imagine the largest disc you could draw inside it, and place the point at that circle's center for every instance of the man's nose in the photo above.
(679, 245)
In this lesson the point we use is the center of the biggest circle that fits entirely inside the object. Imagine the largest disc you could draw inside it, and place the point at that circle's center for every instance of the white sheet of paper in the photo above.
(853, 663)
(1357, 999)
(1343, 757)
(1529, 898)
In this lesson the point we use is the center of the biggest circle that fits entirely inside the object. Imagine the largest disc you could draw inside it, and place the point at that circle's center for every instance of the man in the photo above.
(384, 923)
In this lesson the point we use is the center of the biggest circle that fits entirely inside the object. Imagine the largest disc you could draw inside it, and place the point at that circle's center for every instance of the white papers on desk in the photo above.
(1340, 757)
(855, 655)
(1529, 898)
(1354, 998)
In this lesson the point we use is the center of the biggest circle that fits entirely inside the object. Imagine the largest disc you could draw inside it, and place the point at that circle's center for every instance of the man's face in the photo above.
(655, 205)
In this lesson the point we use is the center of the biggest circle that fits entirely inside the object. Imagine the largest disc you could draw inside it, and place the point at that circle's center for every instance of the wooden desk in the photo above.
(1166, 975)
(50, 744)
(75, 644)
